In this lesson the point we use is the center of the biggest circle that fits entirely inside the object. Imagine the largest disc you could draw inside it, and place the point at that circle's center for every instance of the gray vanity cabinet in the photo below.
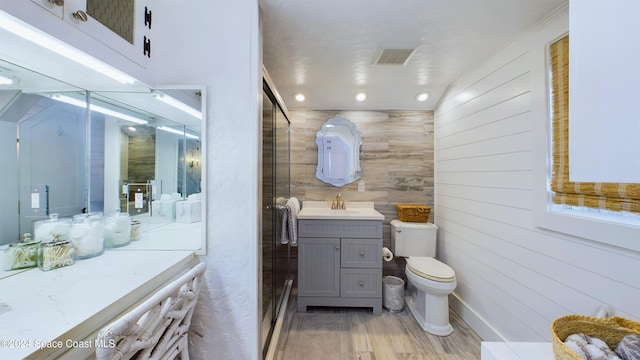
(340, 263)
(319, 267)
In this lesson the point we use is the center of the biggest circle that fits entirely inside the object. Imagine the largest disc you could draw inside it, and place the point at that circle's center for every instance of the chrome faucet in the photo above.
(338, 203)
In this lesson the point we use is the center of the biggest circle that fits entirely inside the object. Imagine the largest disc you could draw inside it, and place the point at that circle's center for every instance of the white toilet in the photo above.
(429, 282)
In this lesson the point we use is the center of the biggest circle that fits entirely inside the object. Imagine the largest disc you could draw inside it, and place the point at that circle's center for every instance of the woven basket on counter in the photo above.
(610, 330)
(413, 213)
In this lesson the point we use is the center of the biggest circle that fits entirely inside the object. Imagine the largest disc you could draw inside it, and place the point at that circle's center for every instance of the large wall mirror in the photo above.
(338, 152)
(67, 151)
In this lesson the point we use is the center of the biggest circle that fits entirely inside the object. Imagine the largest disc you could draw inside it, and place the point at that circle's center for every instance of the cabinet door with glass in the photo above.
(122, 25)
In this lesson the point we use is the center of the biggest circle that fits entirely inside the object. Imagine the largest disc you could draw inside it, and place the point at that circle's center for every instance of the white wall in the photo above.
(112, 162)
(216, 43)
(97, 154)
(514, 278)
(607, 126)
(167, 161)
(9, 197)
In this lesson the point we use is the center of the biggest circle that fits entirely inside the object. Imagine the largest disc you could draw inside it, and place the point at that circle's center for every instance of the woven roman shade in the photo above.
(610, 196)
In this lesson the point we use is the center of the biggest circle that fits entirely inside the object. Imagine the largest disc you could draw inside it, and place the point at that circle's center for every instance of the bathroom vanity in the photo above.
(340, 256)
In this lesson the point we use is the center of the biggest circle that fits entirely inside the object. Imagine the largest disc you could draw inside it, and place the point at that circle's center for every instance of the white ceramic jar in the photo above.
(46, 230)
(117, 230)
(87, 235)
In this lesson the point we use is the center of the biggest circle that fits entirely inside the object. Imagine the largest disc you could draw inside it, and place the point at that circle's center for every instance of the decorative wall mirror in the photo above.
(338, 152)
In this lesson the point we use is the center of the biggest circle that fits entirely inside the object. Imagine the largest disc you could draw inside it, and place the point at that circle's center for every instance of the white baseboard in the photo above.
(480, 325)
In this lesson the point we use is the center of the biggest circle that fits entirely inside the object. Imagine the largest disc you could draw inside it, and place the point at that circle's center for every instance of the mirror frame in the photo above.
(329, 127)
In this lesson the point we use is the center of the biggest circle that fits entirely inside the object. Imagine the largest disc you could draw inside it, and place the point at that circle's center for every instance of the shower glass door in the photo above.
(275, 192)
(282, 271)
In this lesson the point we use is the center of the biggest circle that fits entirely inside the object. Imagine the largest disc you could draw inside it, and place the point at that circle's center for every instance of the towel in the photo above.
(629, 347)
(290, 222)
(590, 348)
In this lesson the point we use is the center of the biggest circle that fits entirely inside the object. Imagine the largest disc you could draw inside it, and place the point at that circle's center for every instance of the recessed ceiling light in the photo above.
(300, 97)
(131, 128)
(422, 97)
(360, 96)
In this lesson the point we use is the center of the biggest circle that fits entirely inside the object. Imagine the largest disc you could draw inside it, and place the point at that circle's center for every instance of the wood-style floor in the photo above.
(344, 333)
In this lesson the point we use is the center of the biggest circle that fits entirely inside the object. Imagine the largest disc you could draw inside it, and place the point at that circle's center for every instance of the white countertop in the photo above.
(516, 351)
(57, 307)
(155, 236)
(357, 210)
(158, 235)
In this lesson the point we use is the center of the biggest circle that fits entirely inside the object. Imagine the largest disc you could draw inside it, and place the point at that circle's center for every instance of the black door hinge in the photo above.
(147, 17)
(146, 46)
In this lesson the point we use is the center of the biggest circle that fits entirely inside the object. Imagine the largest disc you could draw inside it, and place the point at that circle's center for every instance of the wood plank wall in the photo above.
(142, 157)
(396, 159)
(514, 278)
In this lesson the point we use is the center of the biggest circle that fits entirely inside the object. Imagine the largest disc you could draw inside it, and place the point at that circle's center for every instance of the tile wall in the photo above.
(396, 159)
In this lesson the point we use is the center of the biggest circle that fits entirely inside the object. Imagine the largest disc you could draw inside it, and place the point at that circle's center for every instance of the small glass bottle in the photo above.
(22, 255)
(55, 254)
(136, 232)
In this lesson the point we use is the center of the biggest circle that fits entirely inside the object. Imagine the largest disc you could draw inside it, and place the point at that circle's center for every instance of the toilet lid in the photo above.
(430, 268)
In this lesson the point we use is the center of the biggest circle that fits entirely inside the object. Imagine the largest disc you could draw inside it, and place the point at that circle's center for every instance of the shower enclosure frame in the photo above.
(276, 272)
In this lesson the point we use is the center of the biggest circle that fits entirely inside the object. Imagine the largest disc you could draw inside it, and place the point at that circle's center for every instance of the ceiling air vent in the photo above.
(389, 56)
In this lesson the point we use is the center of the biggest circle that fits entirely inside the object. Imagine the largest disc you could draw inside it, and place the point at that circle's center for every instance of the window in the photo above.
(621, 231)
(609, 198)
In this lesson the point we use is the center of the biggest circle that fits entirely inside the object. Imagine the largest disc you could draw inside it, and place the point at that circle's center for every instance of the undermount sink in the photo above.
(360, 210)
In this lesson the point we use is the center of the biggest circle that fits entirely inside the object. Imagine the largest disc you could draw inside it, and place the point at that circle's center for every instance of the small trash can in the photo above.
(392, 293)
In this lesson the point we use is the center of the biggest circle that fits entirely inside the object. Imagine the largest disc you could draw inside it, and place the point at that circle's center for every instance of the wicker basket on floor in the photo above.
(610, 330)
(413, 213)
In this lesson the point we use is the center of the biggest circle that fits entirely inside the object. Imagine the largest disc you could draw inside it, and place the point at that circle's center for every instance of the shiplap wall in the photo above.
(514, 278)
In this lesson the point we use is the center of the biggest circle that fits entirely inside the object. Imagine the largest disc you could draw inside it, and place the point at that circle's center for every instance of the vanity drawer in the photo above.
(361, 283)
(340, 228)
(361, 253)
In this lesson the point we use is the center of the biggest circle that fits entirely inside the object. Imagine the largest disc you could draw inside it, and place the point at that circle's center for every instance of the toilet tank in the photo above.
(413, 239)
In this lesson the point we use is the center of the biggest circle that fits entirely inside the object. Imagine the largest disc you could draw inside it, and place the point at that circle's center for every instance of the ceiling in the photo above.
(326, 49)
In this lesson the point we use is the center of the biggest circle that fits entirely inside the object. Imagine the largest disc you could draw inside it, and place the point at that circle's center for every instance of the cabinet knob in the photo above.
(80, 15)
(361, 283)
(337, 247)
(361, 253)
